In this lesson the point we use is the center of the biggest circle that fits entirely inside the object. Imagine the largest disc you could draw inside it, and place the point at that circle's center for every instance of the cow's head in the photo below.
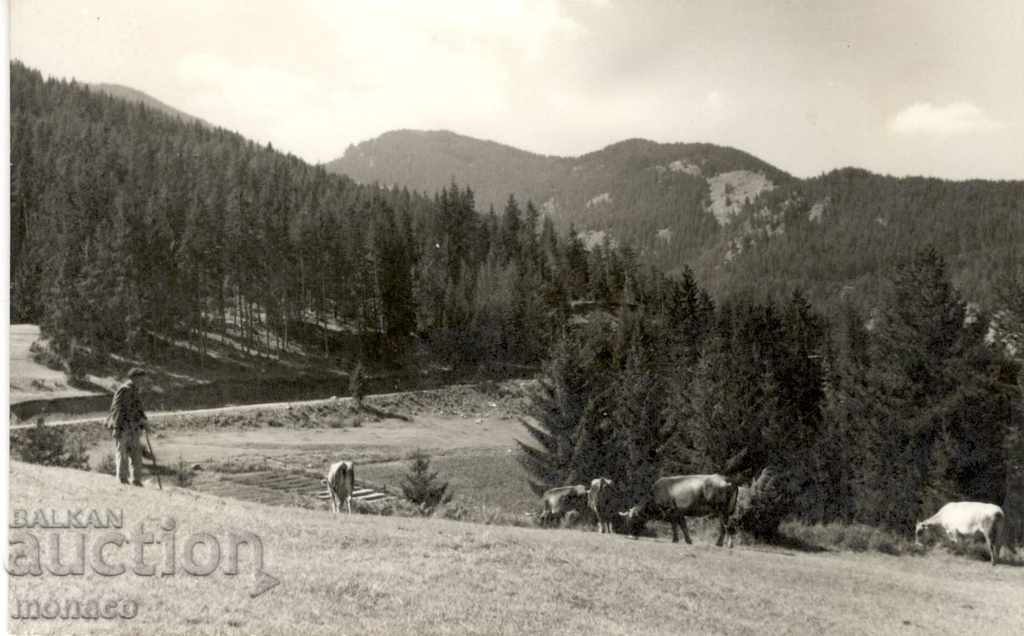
(920, 533)
(635, 519)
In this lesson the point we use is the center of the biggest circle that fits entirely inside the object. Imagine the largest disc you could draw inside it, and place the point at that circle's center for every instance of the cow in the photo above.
(600, 499)
(340, 483)
(557, 502)
(674, 498)
(965, 519)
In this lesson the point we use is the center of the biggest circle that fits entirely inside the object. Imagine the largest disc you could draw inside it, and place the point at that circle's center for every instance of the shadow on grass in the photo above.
(381, 413)
(978, 552)
(795, 544)
(83, 384)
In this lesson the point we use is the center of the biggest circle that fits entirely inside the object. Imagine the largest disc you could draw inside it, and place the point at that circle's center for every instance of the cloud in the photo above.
(957, 118)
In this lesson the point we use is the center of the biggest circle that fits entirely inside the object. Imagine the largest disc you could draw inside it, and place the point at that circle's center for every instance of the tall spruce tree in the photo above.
(942, 414)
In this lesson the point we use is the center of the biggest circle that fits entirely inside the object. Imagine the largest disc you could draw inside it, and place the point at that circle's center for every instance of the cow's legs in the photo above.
(675, 530)
(991, 541)
(348, 504)
(721, 532)
(686, 532)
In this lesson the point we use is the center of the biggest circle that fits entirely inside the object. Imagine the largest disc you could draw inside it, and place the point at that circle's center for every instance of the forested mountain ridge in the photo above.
(131, 227)
(666, 200)
(740, 223)
(833, 234)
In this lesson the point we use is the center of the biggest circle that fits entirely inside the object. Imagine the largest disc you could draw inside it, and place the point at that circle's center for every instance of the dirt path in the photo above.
(237, 409)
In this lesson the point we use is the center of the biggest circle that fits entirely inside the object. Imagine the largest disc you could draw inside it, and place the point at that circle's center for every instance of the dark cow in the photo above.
(673, 499)
(557, 502)
(600, 499)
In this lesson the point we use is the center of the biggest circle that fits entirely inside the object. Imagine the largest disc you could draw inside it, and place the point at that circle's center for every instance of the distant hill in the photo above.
(132, 95)
(668, 200)
(741, 223)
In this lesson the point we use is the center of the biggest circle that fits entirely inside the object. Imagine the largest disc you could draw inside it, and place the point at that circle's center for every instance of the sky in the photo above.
(898, 87)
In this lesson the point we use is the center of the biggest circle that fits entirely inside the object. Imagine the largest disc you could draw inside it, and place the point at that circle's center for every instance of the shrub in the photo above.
(47, 357)
(49, 446)
(854, 537)
(453, 511)
(107, 465)
(421, 487)
(761, 507)
(183, 473)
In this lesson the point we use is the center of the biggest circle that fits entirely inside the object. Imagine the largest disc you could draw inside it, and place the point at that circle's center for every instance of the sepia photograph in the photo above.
(514, 317)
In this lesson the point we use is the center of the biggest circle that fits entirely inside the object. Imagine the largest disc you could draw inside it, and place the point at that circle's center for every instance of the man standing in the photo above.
(127, 421)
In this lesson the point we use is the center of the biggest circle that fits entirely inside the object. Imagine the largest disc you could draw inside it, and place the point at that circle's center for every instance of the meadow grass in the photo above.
(362, 574)
(487, 478)
(863, 538)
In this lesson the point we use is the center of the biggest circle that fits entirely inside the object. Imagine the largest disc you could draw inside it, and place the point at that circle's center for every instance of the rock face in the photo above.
(603, 198)
(731, 190)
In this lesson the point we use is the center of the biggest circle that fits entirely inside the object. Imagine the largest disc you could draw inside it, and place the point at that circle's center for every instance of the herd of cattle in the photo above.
(673, 499)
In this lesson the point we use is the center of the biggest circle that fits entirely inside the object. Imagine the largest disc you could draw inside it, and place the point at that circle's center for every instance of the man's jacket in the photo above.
(126, 410)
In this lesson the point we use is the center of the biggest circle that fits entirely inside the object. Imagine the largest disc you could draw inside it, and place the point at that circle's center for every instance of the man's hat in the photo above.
(136, 372)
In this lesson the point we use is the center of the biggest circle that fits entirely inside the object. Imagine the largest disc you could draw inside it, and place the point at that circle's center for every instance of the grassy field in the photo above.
(470, 434)
(377, 575)
(480, 477)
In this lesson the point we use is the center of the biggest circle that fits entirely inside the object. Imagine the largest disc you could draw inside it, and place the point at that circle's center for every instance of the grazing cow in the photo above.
(673, 499)
(557, 502)
(601, 501)
(340, 483)
(965, 519)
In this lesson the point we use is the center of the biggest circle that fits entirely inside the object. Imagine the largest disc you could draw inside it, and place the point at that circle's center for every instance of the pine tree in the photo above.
(511, 231)
(575, 378)
(639, 398)
(421, 486)
(941, 411)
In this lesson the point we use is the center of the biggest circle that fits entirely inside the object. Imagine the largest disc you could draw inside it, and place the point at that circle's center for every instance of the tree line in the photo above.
(131, 228)
(877, 419)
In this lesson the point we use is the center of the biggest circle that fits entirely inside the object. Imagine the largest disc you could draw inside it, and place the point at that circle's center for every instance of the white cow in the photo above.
(340, 483)
(964, 519)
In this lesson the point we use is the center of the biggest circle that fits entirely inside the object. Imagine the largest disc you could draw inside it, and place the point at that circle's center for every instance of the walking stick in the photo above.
(153, 457)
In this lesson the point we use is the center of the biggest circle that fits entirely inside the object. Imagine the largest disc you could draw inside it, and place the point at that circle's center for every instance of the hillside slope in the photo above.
(742, 224)
(403, 576)
(839, 234)
(668, 200)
